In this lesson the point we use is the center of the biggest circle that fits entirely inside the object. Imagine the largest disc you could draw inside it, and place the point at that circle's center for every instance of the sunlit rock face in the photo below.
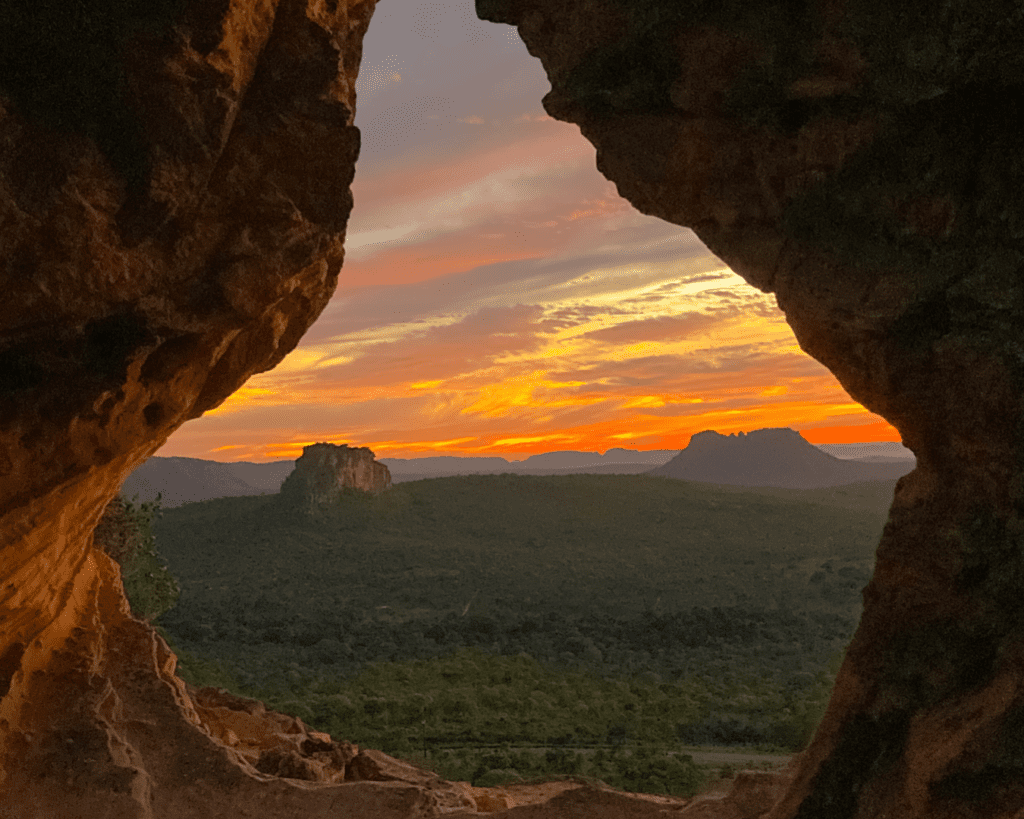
(325, 471)
(861, 160)
(174, 188)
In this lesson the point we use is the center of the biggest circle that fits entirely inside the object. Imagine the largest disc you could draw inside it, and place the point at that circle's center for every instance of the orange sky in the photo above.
(499, 298)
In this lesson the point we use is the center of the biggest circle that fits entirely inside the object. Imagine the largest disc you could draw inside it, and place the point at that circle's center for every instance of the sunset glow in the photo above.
(499, 298)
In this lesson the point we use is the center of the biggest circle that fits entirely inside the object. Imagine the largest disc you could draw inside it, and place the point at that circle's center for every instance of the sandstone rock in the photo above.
(498, 799)
(374, 766)
(324, 471)
(272, 743)
(752, 795)
(590, 802)
(487, 801)
(174, 186)
(756, 791)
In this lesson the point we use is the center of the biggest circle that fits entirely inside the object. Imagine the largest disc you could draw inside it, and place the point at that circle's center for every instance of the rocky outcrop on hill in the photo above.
(325, 471)
(769, 457)
(173, 197)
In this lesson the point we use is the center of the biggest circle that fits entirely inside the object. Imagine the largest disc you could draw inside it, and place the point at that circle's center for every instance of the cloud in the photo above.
(498, 296)
(476, 341)
(373, 78)
(612, 273)
(661, 328)
(546, 165)
(575, 314)
(713, 366)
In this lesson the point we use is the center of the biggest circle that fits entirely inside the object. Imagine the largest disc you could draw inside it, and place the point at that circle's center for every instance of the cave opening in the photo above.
(410, 131)
(860, 163)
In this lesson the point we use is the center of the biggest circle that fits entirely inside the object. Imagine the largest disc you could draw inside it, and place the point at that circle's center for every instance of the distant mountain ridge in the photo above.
(876, 451)
(614, 461)
(779, 457)
(185, 480)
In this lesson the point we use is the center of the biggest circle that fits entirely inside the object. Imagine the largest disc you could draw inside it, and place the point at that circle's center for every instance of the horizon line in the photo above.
(522, 460)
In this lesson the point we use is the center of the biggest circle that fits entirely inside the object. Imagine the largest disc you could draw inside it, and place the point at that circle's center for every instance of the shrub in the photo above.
(125, 533)
(497, 776)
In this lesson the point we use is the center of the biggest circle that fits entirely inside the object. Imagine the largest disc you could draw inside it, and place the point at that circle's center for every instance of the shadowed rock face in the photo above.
(861, 160)
(173, 195)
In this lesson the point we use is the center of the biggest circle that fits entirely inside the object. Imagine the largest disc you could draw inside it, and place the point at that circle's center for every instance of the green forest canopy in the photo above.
(591, 600)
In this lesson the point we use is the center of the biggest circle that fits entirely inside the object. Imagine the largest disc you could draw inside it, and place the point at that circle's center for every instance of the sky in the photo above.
(498, 297)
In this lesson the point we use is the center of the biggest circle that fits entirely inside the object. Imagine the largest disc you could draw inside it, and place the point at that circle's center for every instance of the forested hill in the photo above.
(729, 607)
(495, 551)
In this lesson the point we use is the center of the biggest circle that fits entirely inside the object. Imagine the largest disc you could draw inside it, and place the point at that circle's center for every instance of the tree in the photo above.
(125, 533)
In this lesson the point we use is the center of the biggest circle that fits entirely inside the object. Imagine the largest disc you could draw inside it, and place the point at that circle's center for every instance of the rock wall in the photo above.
(174, 188)
(173, 196)
(862, 161)
(324, 471)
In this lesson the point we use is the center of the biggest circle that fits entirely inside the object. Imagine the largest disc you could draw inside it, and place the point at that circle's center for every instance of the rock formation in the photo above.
(173, 197)
(769, 457)
(174, 188)
(324, 471)
(862, 161)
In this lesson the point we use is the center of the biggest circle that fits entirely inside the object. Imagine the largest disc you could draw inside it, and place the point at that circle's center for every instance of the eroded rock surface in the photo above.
(325, 471)
(861, 160)
(174, 188)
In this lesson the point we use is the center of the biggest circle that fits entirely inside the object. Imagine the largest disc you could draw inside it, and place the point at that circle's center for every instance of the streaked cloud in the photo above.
(660, 329)
(499, 297)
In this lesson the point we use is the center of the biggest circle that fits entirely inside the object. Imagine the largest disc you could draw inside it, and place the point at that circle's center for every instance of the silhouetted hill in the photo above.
(546, 463)
(566, 460)
(884, 451)
(186, 480)
(436, 465)
(771, 457)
